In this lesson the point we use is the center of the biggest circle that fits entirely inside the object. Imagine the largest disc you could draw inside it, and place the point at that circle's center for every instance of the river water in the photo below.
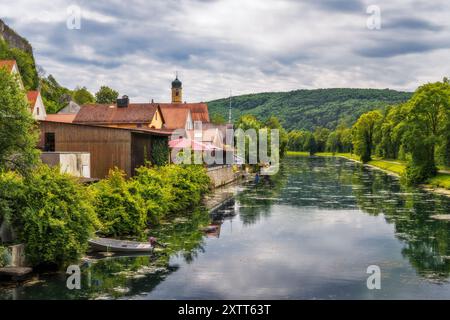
(310, 232)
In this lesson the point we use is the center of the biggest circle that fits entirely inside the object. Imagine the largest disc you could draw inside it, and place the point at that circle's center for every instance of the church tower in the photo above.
(177, 91)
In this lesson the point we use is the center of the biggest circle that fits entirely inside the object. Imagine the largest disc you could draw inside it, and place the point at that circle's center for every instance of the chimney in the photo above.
(153, 101)
(123, 103)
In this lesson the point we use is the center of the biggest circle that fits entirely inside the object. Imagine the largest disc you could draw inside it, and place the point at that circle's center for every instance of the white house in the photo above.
(37, 106)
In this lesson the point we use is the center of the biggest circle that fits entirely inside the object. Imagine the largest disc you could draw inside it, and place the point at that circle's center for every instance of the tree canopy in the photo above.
(106, 95)
(18, 132)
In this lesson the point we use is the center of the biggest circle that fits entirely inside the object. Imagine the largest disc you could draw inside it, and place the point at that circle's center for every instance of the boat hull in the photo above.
(112, 245)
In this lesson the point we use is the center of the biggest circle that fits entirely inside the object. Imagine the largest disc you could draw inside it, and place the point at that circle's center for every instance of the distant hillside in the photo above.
(306, 109)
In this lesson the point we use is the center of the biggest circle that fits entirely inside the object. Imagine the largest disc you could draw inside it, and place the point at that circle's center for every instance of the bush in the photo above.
(5, 257)
(119, 206)
(171, 188)
(51, 213)
(155, 190)
(190, 183)
(11, 195)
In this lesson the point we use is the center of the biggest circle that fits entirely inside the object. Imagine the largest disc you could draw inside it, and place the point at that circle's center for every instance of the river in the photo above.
(310, 232)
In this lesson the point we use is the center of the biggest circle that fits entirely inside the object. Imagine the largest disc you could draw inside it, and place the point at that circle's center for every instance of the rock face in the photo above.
(13, 39)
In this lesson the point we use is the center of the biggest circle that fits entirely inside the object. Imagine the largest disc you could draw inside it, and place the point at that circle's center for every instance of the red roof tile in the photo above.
(8, 64)
(32, 97)
(199, 111)
(110, 114)
(175, 116)
(66, 118)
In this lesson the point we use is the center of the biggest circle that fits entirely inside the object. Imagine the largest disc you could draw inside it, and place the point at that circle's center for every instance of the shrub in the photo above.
(171, 188)
(190, 183)
(53, 217)
(5, 257)
(11, 195)
(155, 190)
(119, 206)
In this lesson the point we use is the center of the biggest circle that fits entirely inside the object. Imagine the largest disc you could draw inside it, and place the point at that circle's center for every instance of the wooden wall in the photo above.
(108, 147)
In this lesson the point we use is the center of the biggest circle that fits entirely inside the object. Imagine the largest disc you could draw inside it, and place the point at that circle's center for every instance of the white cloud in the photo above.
(243, 45)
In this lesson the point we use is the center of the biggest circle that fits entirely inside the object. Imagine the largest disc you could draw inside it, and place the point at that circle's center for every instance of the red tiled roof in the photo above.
(110, 114)
(8, 64)
(32, 97)
(199, 111)
(159, 132)
(66, 118)
(175, 116)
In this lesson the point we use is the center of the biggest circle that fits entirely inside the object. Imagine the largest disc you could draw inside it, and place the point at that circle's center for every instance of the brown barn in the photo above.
(125, 148)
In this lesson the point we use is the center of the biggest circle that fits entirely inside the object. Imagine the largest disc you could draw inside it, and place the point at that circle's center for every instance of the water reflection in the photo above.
(308, 232)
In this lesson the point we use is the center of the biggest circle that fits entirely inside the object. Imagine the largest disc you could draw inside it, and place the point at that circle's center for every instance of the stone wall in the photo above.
(222, 175)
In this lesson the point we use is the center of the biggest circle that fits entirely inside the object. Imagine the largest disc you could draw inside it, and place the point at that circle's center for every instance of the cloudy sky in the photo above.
(246, 46)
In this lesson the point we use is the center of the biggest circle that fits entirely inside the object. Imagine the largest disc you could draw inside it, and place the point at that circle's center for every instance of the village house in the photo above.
(37, 107)
(109, 147)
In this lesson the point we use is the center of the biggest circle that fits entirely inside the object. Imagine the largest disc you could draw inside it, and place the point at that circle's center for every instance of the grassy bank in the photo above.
(442, 180)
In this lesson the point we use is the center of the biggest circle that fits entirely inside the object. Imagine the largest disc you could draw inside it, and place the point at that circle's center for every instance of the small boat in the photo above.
(113, 245)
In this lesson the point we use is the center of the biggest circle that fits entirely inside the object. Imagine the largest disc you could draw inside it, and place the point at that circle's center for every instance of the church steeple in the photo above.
(177, 90)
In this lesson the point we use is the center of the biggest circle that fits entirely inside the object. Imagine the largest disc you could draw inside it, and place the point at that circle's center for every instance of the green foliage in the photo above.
(188, 183)
(82, 96)
(249, 122)
(54, 95)
(427, 121)
(308, 109)
(310, 144)
(106, 95)
(160, 151)
(18, 132)
(321, 137)
(51, 212)
(218, 119)
(156, 191)
(11, 193)
(4, 256)
(363, 134)
(25, 62)
(119, 206)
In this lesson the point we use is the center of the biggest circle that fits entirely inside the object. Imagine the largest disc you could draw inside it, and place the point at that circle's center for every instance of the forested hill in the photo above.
(306, 109)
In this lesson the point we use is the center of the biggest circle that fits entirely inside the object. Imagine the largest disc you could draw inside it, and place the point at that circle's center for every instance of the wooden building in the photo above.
(125, 148)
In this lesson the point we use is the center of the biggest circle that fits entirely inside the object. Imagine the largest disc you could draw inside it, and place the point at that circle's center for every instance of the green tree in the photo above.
(427, 120)
(321, 137)
(274, 123)
(218, 119)
(25, 62)
(18, 132)
(51, 212)
(54, 95)
(106, 95)
(363, 134)
(120, 208)
(82, 96)
(310, 143)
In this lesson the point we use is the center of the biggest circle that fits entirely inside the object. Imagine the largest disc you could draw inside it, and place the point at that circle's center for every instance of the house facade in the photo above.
(34, 98)
(109, 147)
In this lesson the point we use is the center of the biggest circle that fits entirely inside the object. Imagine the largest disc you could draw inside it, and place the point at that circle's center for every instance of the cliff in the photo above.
(13, 39)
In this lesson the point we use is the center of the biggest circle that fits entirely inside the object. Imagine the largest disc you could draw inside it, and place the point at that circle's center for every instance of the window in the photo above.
(37, 110)
(156, 115)
(177, 93)
(49, 142)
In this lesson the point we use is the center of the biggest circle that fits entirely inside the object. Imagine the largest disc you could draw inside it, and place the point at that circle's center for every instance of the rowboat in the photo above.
(113, 245)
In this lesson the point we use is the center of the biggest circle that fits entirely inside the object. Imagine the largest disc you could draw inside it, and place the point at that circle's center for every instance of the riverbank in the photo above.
(439, 184)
